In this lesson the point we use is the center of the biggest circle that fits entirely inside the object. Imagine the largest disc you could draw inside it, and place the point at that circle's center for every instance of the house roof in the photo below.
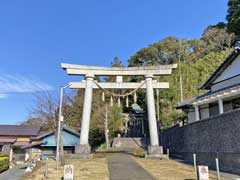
(19, 130)
(19, 144)
(39, 140)
(37, 143)
(210, 94)
(43, 134)
(71, 131)
(185, 103)
(7, 140)
(228, 61)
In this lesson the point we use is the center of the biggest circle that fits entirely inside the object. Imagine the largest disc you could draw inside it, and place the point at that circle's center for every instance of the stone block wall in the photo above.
(173, 140)
(217, 136)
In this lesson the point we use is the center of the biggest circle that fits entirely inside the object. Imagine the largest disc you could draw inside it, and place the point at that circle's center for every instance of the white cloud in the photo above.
(3, 96)
(21, 84)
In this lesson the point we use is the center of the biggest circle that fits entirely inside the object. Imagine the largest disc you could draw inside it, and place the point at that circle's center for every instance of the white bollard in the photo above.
(195, 162)
(217, 168)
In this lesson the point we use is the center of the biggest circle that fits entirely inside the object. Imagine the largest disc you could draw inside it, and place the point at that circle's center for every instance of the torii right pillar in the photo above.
(154, 150)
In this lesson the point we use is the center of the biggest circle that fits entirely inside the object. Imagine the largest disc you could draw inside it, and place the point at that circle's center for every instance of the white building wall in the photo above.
(229, 77)
(226, 83)
(232, 70)
(204, 111)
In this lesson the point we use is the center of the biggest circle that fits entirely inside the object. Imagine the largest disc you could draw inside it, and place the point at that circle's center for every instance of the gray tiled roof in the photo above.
(185, 103)
(43, 134)
(19, 130)
(208, 94)
(226, 89)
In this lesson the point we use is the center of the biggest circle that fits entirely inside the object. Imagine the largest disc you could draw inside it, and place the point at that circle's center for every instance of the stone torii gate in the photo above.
(89, 72)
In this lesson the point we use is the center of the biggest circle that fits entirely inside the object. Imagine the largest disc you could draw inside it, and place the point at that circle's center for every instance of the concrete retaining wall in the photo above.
(218, 136)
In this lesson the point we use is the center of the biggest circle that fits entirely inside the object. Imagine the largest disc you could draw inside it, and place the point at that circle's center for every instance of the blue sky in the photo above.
(36, 36)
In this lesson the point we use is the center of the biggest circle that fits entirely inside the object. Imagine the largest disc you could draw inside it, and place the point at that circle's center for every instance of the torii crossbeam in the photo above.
(89, 72)
(119, 85)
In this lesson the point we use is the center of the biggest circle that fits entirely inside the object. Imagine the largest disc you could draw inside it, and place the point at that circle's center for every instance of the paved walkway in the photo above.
(122, 167)
(13, 174)
(226, 175)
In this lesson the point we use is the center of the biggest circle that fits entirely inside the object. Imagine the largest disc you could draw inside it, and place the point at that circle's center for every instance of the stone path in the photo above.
(13, 174)
(122, 167)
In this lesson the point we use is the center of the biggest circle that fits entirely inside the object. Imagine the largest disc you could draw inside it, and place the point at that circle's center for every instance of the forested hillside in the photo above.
(197, 59)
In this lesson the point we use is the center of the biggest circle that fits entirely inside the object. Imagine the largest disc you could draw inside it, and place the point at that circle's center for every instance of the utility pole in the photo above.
(181, 89)
(180, 73)
(60, 119)
(106, 126)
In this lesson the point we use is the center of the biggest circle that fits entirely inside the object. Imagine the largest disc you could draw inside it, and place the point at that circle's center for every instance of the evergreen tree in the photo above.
(233, 16)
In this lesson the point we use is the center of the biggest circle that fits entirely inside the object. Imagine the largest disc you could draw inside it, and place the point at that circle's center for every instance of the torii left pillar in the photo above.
(154, 150)
(84, 149)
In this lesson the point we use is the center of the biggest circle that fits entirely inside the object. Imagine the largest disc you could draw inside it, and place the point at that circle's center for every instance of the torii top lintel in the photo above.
(73, 69)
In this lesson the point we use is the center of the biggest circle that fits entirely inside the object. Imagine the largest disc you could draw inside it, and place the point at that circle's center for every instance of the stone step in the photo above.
(121, 142)
(156, 156)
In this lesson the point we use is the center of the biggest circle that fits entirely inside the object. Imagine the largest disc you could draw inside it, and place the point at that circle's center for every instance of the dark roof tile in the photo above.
(19, 130)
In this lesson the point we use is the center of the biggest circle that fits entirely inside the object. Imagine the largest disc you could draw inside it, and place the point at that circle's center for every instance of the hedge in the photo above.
(3, 155)
(4, 163)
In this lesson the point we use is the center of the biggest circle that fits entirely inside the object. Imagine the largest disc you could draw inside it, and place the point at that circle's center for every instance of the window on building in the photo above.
(236, 103)
(204, 111)
(213, 109)
(227, 106)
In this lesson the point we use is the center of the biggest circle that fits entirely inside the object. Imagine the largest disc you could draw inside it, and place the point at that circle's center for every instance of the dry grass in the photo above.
(97, 169)
(93, 169)
(169, 169)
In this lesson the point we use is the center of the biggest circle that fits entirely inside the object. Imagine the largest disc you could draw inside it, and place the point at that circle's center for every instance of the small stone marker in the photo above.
(68, 172)
(203, 173)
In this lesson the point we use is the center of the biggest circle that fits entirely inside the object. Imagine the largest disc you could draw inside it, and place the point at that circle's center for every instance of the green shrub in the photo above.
(4, 163)
(3, 155)
(96, 137)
